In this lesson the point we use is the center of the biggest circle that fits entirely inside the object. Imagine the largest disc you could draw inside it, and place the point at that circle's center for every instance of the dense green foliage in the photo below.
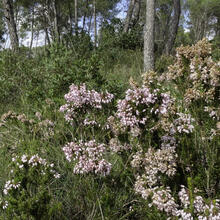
(85, 134)
(32, 87)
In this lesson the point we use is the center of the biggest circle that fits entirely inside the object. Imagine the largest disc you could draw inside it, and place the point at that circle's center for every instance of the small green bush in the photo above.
(26, 194)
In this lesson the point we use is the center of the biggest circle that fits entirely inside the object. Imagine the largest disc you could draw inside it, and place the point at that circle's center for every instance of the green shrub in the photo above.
(26, 194)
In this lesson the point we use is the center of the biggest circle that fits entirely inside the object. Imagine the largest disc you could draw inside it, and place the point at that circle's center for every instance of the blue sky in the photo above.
(122, 7)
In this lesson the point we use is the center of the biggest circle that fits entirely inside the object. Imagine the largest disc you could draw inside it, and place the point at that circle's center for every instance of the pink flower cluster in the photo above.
(79, 100)
(184, 124)
(163, 200)
(10, 184)
(87, 157)
(203, 210)
(139, 104)
(214, 112)
(156, 162)
(116, 147)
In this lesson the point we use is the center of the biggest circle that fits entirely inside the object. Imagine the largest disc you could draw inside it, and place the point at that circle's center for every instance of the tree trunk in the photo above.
(56, 28)
(136, 12)
(76, 17)
(89, 24)
(85, 14)
(217, 28)
(165, 30)
(173, 27)
(47, 38)
(95, 27)
(149, 36)
(129, 16)
(9, 15)
(47, 23)
(70, 18)
(204, 23)
(32, 29)
(84, 22)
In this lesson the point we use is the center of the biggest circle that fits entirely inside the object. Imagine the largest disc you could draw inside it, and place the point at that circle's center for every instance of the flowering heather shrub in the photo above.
(183, 124)
(194, 70)
(196, 73)
(25, 194)
(145, 111)
(139, 104)
(195, 77)
(87, 157)
(81, 104)
(151, 166)
(154, 165)
(161, 161)
(160, 137)
(87, 108)
(189, 208)
(213, 112)
(141, 110)
(151, 79)
(116, 147)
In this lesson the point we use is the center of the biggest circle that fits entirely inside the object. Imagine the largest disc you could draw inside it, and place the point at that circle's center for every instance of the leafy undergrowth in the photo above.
(149, 153)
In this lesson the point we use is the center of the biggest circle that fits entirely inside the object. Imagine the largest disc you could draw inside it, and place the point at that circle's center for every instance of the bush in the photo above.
(152, 154)
(26, 195)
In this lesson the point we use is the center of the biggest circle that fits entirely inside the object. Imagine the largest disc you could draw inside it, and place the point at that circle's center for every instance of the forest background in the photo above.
(114, 114)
